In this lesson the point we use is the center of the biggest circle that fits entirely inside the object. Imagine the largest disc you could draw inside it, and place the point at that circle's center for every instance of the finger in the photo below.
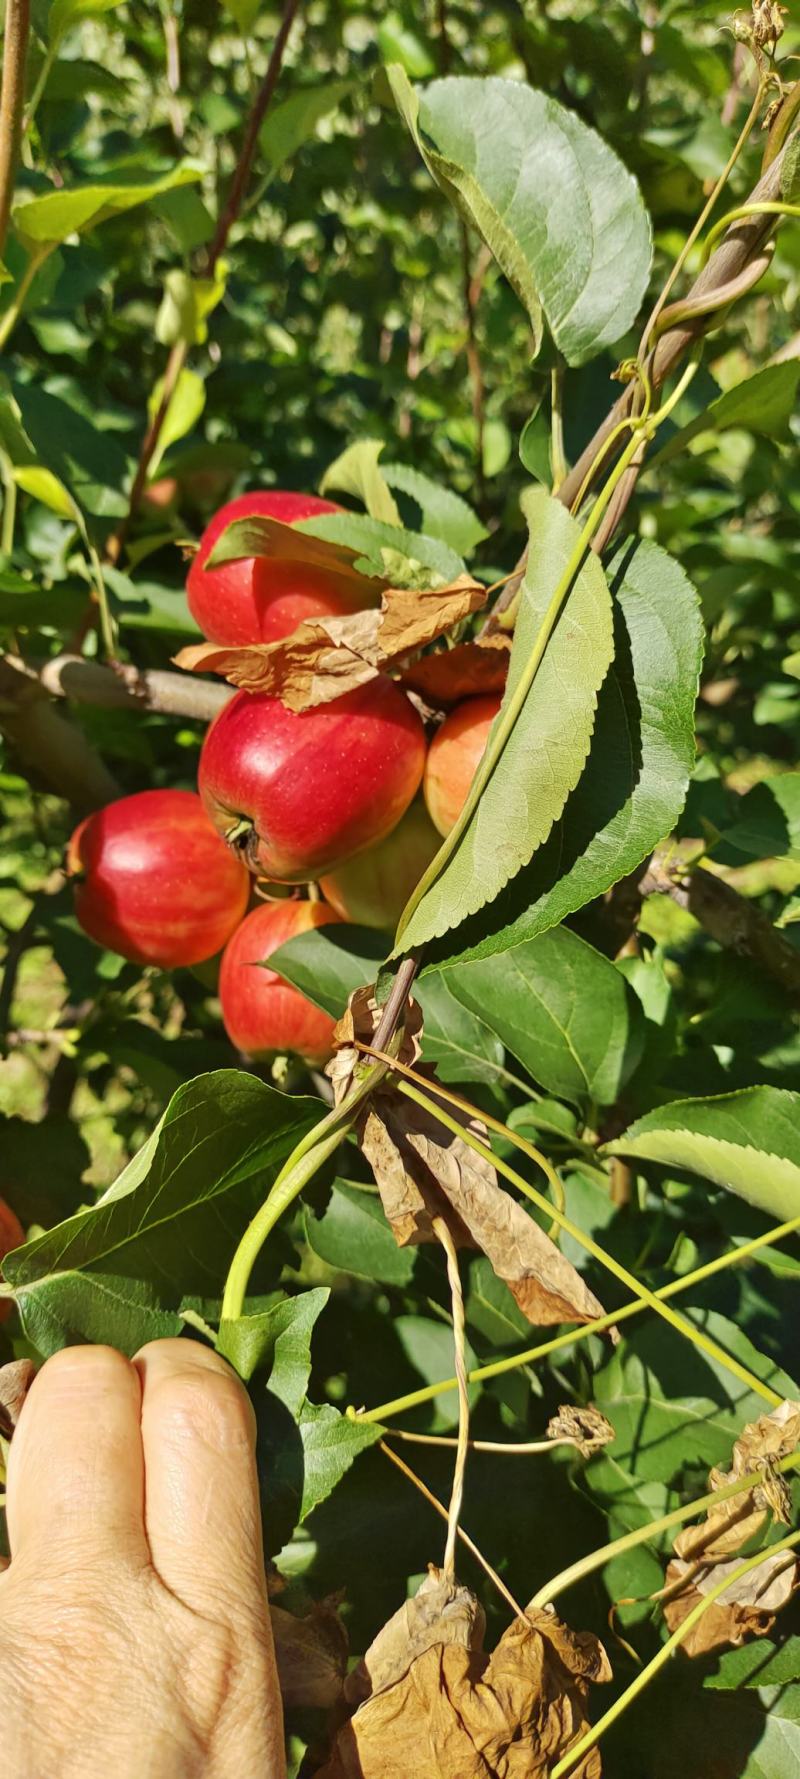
(202, 1512)
(75, 1488)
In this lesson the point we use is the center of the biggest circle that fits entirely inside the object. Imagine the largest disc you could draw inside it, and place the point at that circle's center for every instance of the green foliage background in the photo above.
(343, 316)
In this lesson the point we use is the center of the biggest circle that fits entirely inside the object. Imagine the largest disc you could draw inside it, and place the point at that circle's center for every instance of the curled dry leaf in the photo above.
(587, 1428)
(326, 657)
(15, 1381)
(311, 1654)
(706, 1552)
(440, 1612)
(424, 1170)
(469, 670)
(440, 1706)
(360, 1021)
(746, 1609)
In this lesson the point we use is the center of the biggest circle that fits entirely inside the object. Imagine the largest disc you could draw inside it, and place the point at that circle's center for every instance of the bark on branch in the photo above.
(12, 100)
(734, 922)
(124, 687)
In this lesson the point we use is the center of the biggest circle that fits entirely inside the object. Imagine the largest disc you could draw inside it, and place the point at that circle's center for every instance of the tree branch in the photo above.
(734, 922)
(52, 747)
(12, 99)
(174, 694)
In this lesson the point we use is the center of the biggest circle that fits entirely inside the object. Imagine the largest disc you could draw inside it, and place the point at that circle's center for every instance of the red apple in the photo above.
(312, 787)
(453, 758)
(154, 881)
(256, 599)
(372, 889)
(12, 1235)
(262, 1013)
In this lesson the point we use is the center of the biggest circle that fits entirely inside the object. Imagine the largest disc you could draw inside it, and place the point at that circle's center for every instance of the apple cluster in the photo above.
(327, 797)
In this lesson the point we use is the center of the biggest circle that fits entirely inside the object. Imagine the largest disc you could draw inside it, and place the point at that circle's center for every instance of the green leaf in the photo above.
(294, 122)
(279, 1337)
(173, 1217)
(398, 44)
(757, 1664)
(357, 472)
(428, 1347)
(443, 514)
(763, 404)
(562, 1008)
(26, 605)
(42, 485)
(373, 548)
(58, 214)
(185, 306)
(561, 214)
(767, 822)
(75, 461)
(244, 12)
(354, 1237)
(748, 1142)
(186, 404)
(642, 750)
(546, 752)
(64, 13)
(328, 963)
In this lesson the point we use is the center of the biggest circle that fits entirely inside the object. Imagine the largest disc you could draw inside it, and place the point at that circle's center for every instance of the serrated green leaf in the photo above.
(546, 752)
(637, 774)
(58, 214)
(763, 404)
(759, 1664)
(561, 214)
(357, 472)
(328, 963)
(354, 1237)
(767, 822)
(172, 1219)
(748, 1142)
(186, 405)
(292, 123)
(404, 557)
(443, 514)
(562, 1009)
(279, 1337)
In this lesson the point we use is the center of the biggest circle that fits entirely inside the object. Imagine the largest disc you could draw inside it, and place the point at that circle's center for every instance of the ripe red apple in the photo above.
(313, 787)
(256, 599)
(453, 758)
(372, 889)
(262, 1013)
(12, 1235)
(154, 881)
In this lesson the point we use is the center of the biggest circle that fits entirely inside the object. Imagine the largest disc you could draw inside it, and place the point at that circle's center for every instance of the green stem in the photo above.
(507, 718)
(9, 505)
(107, 625)
(43, 77)
(698, 1339)
(739, 214)
(414, 1398)
(654, 1529)
(667, 1649)
(303, 1163)
(11, 315)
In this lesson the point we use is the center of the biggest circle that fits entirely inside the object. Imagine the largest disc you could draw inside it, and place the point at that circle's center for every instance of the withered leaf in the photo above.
(311, 1655)
(705, 1553)
(745, 1609)
(15, 1381)
(586, 1427)
(360, 1021)
(440, 1612)
(422, 1169)
(326, 657)
(458, 1713)
(469, 670)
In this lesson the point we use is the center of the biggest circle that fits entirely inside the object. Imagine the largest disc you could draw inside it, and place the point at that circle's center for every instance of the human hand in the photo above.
(135, 1639)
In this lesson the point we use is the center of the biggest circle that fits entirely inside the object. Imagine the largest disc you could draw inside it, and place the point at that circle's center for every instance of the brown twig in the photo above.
(12, 99)
(734, 922)
(173, 694)
(52, 747)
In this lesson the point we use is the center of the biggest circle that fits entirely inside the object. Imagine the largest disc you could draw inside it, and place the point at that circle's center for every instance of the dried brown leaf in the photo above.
(440, 1612)
(465, 671)
(727, 1527)
(360, 1020)
(326, 657)
(311, 1655)
(745, 1609)
(423, 1169)
(586, 1427)
(457, 1713)
(15, 1381)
